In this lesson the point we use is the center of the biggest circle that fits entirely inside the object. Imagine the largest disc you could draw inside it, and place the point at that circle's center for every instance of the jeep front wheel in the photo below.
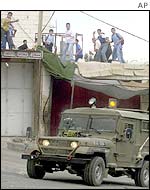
(142, 175)
(34, 171)
(94, 171)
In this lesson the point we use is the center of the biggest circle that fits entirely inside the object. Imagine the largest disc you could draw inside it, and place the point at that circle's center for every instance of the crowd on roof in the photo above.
(102, 44)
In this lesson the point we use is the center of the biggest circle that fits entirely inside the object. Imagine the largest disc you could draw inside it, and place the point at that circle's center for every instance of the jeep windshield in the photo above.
(88, 123)
(74, 122)
(102, 123)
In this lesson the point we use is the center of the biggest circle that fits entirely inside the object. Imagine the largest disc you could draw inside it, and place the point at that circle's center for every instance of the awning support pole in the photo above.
(72, 94)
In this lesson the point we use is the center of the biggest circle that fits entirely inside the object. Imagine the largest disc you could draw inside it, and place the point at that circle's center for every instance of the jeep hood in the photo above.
(83, 141)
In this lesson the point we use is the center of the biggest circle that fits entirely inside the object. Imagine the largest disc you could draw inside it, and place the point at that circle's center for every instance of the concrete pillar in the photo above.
(50, 106)
(45, 98)
(36, 97)
(39, 40)
(42, 95)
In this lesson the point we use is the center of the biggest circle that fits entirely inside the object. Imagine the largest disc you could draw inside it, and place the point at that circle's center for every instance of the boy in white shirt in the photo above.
(49, 41)
(69, 42)
(97, 46)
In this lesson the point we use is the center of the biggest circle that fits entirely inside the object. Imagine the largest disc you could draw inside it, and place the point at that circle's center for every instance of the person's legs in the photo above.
(103, 52)
(10, 42)
(122, 59)
(3, 42)
(2, 33)
(50, 47)
(70, 51)
(78, 57)
(81, 56)
(120, 54)
(114, 54)
(95, 56)
(66, 45)
(3, 39)
(108, 52)
(98, 55)
(47, 46)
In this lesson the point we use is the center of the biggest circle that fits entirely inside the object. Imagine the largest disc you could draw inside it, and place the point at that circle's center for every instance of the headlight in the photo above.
(74, 144)
(45, 143)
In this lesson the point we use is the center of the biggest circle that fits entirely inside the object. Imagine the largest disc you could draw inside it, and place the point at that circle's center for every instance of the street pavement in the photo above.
(14, 176)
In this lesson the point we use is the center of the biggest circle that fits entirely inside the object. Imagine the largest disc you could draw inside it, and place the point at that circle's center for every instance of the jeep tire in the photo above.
(34, 171)
(94, 171)
(142, 175)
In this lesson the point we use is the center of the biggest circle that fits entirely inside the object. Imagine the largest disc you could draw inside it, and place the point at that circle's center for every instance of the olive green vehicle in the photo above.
(95, 142)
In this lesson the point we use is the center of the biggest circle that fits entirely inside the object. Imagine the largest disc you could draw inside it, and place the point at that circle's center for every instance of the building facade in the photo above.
(30, 97)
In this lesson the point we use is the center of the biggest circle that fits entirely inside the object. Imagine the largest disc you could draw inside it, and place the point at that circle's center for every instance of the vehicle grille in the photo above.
(56, 151)
(60, 143)
(57, 147)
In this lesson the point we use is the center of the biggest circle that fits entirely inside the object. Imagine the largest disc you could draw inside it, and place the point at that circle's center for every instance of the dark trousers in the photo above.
(49, 46)
(77, 57)
(103, 54)
(109, 51)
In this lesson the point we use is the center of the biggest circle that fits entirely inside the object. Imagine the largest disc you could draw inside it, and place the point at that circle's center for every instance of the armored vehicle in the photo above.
(94, 142)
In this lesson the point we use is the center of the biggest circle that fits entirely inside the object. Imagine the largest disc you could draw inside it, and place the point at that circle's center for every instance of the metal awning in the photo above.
(117, 80)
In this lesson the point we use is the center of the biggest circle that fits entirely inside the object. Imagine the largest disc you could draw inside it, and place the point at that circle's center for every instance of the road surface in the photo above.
(14, 176)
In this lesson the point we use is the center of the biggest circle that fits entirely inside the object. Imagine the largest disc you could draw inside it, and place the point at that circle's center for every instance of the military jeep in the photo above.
(94, 142)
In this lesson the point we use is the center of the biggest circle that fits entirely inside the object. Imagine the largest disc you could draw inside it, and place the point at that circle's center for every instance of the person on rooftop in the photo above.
(118, 41)
(35, 45)
(12, 33)
(49, 40)
(79, 53)
(97, 46)
(5, 33)
(104, 46)
(24, 46)
(69, 42)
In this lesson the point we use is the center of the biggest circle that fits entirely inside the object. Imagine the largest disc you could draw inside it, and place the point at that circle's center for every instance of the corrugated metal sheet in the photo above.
(115, 87)
(113, 71)
(144, 72)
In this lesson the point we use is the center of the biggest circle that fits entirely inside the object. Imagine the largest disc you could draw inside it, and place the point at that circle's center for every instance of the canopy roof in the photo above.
(114, 88)
(121, 81)
(54, 66)
(115, 70)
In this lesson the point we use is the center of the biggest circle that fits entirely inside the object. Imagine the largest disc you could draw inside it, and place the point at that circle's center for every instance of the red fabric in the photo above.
(61, 98)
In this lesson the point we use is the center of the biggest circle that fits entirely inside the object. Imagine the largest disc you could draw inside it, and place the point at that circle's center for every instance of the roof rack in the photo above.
(135, 110)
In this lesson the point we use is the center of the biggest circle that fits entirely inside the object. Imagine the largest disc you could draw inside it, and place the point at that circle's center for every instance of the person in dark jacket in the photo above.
(24, 46)
(79, 53)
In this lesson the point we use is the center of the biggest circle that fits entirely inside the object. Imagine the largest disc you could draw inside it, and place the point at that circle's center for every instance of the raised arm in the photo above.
(14, 21)
(94, 35)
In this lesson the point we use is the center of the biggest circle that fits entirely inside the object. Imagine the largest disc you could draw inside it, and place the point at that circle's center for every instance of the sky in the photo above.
(77, 5)
(135, 22)
(133, 18)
